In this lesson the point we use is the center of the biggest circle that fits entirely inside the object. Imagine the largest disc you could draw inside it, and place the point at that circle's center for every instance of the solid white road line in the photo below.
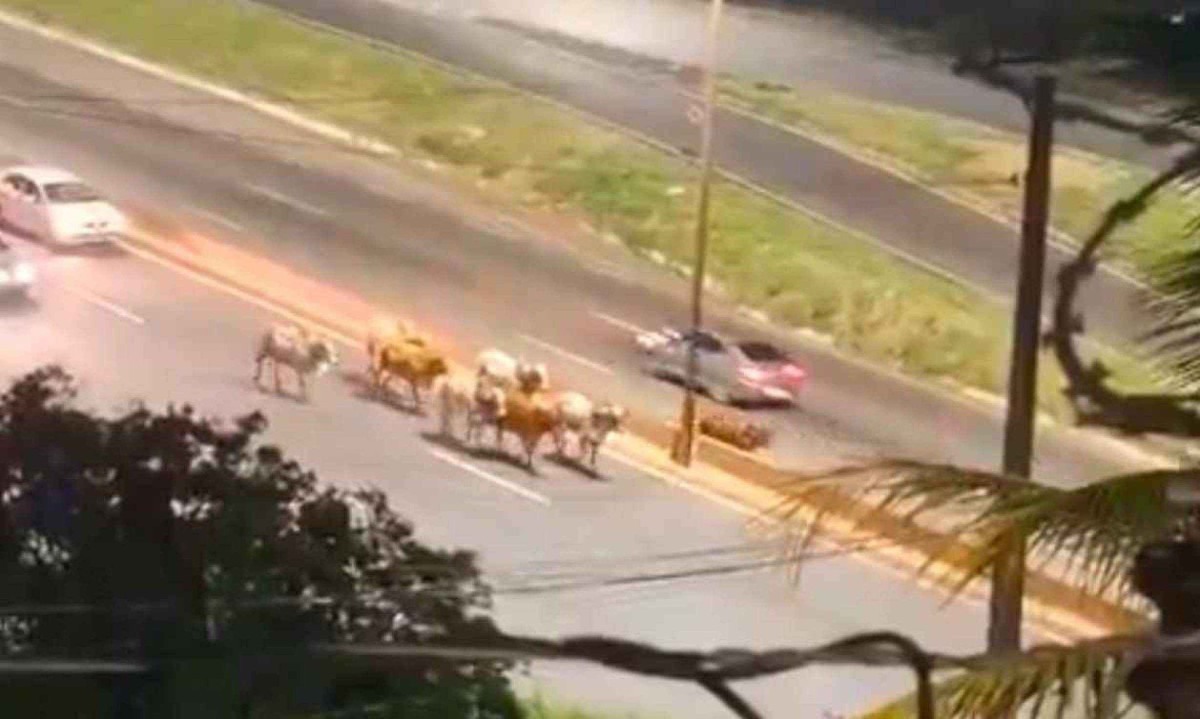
(554, 349)
(286, 200)
(617, 322)
(227, 289)
(609, 269)
(10, 100)
(215, 217)
(489, 477)
(104, 304)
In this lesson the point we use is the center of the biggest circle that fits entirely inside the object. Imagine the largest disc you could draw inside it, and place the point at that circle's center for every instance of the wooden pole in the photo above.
(1008, 577)
(685, 445)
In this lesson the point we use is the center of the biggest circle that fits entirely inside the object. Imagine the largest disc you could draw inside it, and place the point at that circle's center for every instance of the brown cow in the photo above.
(382, 333)
(530, 416)
(416, 363)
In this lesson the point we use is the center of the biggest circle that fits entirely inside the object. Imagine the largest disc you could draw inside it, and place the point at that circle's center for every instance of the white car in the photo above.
(58, 207)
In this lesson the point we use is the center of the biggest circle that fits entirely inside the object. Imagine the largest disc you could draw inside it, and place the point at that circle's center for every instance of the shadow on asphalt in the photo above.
(392, 399)
(17, 304)
(491, 454)
(100, 250)
(479, 452)
(267, 388)
(573, 465)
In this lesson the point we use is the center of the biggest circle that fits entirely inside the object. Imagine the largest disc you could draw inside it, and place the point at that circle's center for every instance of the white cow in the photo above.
(291, 346)
(497, 366)
(590, 423)
(481, 401)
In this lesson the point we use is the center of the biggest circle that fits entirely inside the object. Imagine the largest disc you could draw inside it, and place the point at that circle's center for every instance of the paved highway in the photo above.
(403, 243)
(794, 44)
(904, 217)
(134, 330)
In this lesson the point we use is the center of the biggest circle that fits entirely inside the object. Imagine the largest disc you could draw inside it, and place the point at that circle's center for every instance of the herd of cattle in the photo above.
(503, 395)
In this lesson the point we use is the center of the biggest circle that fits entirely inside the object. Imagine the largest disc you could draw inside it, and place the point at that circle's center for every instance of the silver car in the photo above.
(731, 372)
(16, 274)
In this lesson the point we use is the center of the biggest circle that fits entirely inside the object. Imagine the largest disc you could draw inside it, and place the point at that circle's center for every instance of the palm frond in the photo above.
(1175, 279)
(1093, 531)
(1175, 307)
(1086, 676)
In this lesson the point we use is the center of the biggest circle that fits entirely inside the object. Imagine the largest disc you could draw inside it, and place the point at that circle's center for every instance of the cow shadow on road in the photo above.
(482, 452)
(574, 466)
(287, 393)
(363, 388)
(490, 453)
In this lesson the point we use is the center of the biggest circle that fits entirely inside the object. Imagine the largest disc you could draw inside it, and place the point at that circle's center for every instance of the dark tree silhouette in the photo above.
(173, 539)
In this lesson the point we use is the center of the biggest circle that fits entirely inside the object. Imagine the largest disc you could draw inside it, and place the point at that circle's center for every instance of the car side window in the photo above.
(22, 187)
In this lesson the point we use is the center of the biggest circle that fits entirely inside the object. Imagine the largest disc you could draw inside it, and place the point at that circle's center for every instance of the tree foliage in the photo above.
(1093, 532)
(991, 29)
(1090, 534)
(188, 543)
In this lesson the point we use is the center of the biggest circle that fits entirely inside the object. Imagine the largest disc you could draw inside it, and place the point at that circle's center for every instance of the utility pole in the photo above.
(1008, 577)
(685, 444)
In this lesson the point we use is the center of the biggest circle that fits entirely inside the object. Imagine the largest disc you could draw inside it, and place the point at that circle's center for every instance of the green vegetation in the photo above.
(539, 707)
(980, 162)
(520, 152)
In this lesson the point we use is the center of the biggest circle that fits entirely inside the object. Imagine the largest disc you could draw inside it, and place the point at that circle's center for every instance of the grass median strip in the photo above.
(981, 163)
(534, 155)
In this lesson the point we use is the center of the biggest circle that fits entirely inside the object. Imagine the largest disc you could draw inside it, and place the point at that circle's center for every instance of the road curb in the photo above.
(741, 477)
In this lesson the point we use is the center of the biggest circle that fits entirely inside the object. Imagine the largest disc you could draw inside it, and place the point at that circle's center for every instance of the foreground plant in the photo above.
(173, 540)
(1092, 536)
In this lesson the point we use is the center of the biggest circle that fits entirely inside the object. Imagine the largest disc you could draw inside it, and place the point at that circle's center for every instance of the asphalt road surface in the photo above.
(563, 551)
(902, 216)
(797, 45)
(404, 244)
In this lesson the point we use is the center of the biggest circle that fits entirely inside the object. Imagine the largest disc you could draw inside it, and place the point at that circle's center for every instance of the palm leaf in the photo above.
(1094, 530)
(1175, 335)
(1088, 675)
(1175, 279)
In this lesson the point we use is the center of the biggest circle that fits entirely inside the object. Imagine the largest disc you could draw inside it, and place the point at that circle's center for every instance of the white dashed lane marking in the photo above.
(216, 218)
(104, 304)
(489, 477)
(617, 322)
(566, 354)
(288, 200)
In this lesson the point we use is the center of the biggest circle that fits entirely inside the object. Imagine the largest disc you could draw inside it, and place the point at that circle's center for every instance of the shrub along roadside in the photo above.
(520, 152)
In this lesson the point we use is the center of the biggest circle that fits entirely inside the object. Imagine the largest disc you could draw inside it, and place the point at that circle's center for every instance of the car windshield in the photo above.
(68, 192)
(762, 352)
